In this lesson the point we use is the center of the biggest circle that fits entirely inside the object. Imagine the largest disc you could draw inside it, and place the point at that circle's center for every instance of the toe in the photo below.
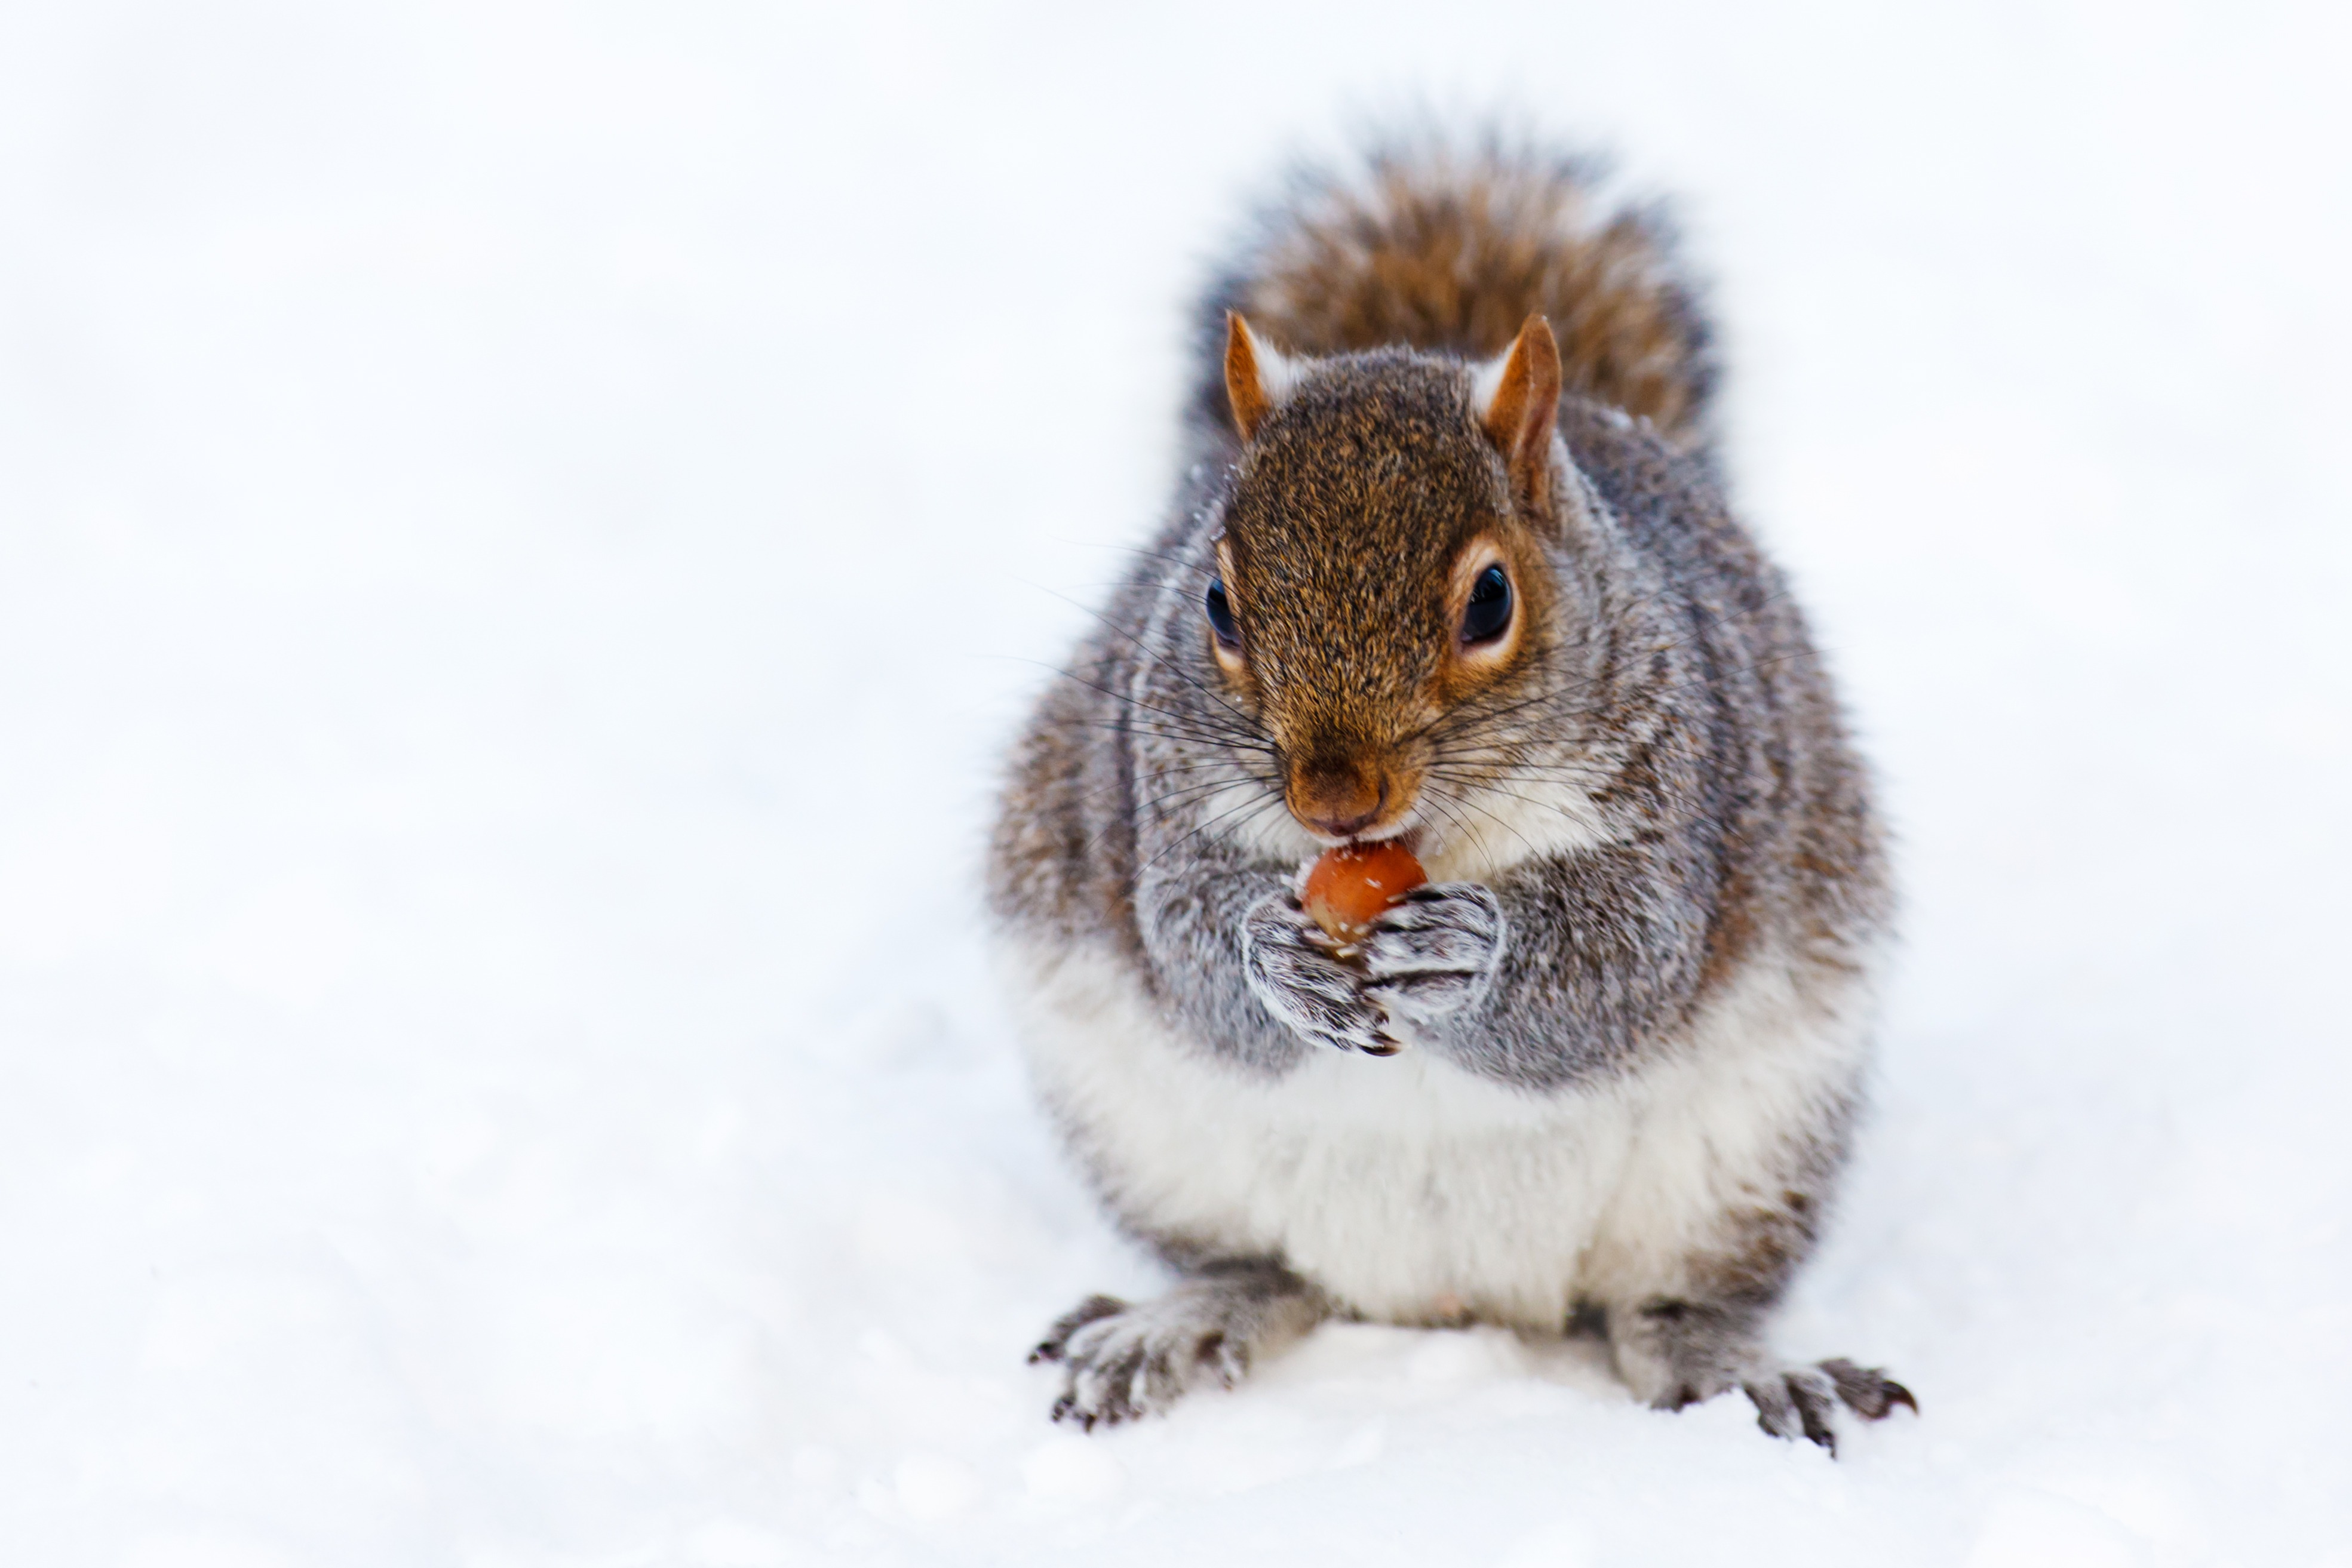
(1775, 1411)
(1867, 1390)
(1055, 1345)
(1814, 1399)
(1794, 1405)
(1226, 1360)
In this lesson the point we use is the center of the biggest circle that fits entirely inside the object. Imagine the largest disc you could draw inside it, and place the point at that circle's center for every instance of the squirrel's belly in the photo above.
(1417, 1193)
(1409, 1190)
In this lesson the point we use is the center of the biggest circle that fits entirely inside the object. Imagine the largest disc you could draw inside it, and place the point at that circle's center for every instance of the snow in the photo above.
(525, 526)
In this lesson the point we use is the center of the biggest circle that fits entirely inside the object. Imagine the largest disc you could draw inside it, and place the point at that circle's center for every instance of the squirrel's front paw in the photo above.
(1292, 971)
(1433, 952)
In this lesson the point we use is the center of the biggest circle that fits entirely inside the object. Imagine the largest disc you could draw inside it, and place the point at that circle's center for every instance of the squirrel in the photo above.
(1451, 563)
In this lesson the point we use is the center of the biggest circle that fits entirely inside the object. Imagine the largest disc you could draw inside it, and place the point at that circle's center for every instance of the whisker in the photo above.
(1448, 801)
(1177, 561)
(1463, 800)
(1170, 796)
(1205, 726)
(1196, 833)
(1439, 735)
(1640, 656)
(1153, 658)
(1230, 767)
(1514, 794)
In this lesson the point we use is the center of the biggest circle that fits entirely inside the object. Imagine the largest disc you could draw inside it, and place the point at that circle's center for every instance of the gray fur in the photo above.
(1673, 691)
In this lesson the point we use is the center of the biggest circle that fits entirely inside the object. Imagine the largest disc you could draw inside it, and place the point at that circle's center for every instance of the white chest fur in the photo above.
(1415, 1192)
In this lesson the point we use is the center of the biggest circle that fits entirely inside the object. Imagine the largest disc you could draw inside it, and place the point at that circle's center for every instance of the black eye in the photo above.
(1489, 615)
(1221, 614)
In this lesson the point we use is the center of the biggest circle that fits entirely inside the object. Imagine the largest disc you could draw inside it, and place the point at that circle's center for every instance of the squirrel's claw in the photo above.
(1867, 1391)
(1057, 1342)
(1295, 975)
(1434, 952)
(1797, 1401)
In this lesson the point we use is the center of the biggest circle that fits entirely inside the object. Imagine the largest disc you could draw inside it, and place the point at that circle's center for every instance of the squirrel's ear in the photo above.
(1256, 378)
(1518, 397)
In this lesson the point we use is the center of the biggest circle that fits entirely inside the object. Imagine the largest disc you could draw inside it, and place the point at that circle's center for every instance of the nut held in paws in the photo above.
(1348, 886)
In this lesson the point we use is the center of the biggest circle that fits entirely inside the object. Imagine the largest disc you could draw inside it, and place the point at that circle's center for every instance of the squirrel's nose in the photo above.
(1339, 808)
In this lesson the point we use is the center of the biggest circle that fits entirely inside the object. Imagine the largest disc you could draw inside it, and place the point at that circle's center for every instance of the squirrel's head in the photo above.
(1384, 561)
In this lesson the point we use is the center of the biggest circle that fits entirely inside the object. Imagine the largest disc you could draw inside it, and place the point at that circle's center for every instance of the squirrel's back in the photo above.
(1450, 247)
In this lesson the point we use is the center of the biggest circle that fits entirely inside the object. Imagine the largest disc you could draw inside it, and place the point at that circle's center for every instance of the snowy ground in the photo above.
(523, 526)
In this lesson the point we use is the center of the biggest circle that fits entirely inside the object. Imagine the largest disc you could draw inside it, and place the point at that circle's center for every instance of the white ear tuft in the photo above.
(1518, 400)
(1485, 382)
(1257, 379)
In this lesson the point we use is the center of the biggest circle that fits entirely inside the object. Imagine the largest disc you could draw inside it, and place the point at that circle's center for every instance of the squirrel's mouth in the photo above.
(1355, 801)
(1406, 830)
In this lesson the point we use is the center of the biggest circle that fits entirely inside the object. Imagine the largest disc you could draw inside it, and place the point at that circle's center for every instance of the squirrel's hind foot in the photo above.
(1676, 1352)
(1123, 1361)
(1796, 1401)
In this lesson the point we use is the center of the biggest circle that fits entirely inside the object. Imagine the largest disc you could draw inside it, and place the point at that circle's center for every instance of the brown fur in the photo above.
(1353, 506)
(1454, 251)
(1657, 688)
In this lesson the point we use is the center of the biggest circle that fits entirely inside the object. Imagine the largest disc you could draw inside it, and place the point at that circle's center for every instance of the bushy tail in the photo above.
(1440, 247)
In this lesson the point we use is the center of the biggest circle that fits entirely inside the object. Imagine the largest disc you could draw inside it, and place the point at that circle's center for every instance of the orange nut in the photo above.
(1349, 885)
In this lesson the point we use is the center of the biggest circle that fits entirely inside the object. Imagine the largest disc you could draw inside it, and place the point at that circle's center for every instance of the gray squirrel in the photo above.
(1451, 564)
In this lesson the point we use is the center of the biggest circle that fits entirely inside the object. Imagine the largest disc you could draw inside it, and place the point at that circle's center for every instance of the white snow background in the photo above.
(523, 528)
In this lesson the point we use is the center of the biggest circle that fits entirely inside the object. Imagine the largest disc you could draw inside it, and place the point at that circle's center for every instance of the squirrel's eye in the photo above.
(1489, 615)
(1221, 614)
